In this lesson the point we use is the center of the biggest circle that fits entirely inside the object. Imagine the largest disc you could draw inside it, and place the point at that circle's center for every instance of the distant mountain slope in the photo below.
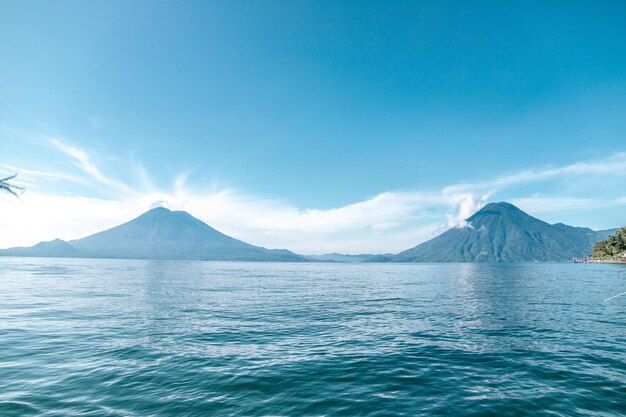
(158, 234)
(500, 232)
(54, 248)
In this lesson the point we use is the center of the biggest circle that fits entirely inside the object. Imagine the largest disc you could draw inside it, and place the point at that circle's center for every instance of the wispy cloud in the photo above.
(30, 176)
(612, 166)
(82, 160)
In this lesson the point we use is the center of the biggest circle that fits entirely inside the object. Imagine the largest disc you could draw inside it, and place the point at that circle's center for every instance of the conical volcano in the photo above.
(159, 234)
(501, 232)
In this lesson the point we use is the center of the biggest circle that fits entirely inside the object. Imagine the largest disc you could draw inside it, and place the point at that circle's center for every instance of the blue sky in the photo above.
(316, 126)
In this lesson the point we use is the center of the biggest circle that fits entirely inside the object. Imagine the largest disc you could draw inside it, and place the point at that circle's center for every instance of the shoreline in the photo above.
(605, 261)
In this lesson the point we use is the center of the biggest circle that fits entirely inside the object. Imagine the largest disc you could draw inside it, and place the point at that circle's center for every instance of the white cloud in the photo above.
(37, 217)
(468, 206)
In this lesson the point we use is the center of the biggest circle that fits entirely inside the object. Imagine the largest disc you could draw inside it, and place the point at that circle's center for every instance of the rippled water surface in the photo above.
(148, 338)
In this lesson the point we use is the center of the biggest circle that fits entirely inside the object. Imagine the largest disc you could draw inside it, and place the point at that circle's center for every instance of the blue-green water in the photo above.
(148, 338)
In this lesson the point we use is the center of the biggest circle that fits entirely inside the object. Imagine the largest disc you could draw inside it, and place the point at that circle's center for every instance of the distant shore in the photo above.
(598, 261)
(606, 261)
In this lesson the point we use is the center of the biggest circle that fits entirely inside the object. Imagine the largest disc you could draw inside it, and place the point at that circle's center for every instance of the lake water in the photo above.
(162, 338)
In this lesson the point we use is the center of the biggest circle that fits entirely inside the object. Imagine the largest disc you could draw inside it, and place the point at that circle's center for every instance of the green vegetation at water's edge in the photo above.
(612, 248)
